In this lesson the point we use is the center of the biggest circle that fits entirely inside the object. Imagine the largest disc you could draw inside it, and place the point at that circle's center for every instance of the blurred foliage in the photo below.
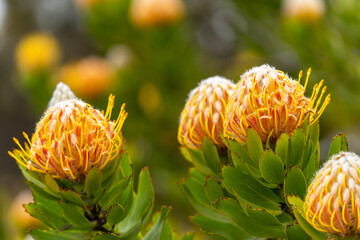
(159, 62)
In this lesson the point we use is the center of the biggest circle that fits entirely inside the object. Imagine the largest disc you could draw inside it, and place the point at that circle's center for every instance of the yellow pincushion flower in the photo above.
(332, 203)
(71, 138)
(204, 112)
(155, 12)
(38, 51)
(90, 77)
(270, 102)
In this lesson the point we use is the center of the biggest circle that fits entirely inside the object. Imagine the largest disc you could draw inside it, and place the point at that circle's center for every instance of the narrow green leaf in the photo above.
(71, 197)
(188, 236)
(262, 216)
(226, 230)
(115, 214)
(156, 229)
(281, 147)
(185, 153)
(51, 183)
(247, 188)
(211, 156)
(213, 189)
(254, 145)
(295, 232)
(233, 210)
(338, 143)
(295, 183)
(143, 203)
(296, 148)
(93, 181)
(75, 216)
(105, 236)
(271, 167)
(39, 234)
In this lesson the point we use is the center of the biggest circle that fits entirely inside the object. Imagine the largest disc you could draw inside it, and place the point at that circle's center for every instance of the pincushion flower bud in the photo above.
(90, 77)
(203, 115)
(38, 51)
(332, 203)
(304, 10)
(270, 102)
(71, 138)
(146, 13)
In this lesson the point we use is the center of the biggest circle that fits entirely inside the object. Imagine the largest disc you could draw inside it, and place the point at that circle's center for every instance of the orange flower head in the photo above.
(303, 10)
(147, 13)
(270, 102)
(90, 77)
(71, 138)
(332, 203)
(203, 115)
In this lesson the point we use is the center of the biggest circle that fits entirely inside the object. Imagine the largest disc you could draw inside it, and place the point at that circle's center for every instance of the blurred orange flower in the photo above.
(155, 12)
(90, 77)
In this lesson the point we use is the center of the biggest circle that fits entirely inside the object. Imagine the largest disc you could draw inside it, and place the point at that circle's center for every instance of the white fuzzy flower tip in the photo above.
(203, 115)
(62, 93)
(332, 203)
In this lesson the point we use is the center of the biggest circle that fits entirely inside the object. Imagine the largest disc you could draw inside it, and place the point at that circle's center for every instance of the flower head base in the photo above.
(36, 52)
(71, 138)
(270, 102)
(204, 112)
(332, 203)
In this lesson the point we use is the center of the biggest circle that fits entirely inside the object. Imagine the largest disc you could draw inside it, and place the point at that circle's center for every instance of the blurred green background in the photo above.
(151, 53)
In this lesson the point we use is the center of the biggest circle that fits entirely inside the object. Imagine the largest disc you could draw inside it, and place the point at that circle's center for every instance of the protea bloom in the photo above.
(270, 102)
(204, 112)
(332, 203)
(71, 138)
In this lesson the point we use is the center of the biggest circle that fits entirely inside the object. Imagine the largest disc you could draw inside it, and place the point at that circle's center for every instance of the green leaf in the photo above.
(281, 147)
(233, 210)
(93, 181)
(250, 190)
(188, 236)
(143, 203)
(51, 183)
(313, 165)
(296, 202)
(197, 157)
(240, 155)
(262, 216)
(211, 156)
(338, 143)
(309, 149)
(314, 131)
(227, 230)
(155, 231)
(185, 153)
(296, 148)
(271, 167)
(51, 219)
(295, 183)
(295, 232)
(113, 195)
(39, 234)
(72, 197)
(105, 236)
(115, 214)
(254, 145)
(75, 216)
(213, 189)
(195, 191)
